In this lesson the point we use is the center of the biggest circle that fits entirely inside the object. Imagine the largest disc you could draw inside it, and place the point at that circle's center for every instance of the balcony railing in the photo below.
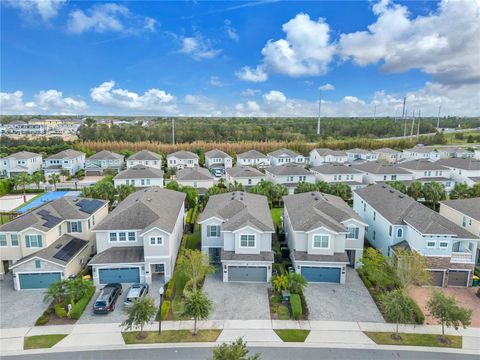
(462, 257)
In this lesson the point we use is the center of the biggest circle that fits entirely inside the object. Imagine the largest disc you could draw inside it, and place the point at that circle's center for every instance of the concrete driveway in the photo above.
(348, 302)
(118, 315)
(19, 308)
(236, 300)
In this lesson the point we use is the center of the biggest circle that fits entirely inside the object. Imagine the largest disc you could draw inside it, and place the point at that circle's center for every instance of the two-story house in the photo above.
(140, 176)
(253, 158)
(454, 152)
(285, 156)
(139, 240)
(376, 171)
(421, 152)
(289, 175)
(146, 158)
(462, 170)
(197, 177)
(427, 172)
(218, 161)
(51, 242)
(181, 159)
(68, 160)
(324, 236)
(322, 156)
(338, 173)
(388, 155)
(245, 175)
(236, 231)
(96, 164)
(396, 221)
(20, 162)
(360, 155)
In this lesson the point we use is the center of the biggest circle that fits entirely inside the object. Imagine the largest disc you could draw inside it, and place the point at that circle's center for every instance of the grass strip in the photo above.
(171, 336)
(42, 341)
(293, 335)
(385, 338)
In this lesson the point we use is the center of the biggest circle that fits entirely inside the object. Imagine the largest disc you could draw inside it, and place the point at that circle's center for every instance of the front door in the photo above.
(159, 269)
(214, 254)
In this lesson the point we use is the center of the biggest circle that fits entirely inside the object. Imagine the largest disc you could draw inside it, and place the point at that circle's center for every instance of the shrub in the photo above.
(5, 186)
(419, 316)
(296, 304)
(280, 268)
(42, 320)
(60, 311)
(188, 218)
(80, 305)
(169, 290)
(165, 309)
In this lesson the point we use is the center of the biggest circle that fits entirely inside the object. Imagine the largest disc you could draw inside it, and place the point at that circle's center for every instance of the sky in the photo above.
(230, 58)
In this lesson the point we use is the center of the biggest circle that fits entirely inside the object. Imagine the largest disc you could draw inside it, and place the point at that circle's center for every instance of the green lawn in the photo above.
(42, 341)
(293, 335)
(177, 309)
(385, 338)
(283, 312)
(172, 336)
(277, 216)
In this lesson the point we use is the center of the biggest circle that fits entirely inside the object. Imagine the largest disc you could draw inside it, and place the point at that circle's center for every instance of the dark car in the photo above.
(136, 291)
(106, 299)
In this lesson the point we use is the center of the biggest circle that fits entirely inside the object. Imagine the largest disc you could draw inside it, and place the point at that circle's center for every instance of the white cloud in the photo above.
(47, 9)
(44, 102)
(231, 32)
(215, 81)
(253, 75)
(198, 48)
(152, 100)
(109, 17)
(326, 87)
(250, 92)
(198, 105)
(274, 96)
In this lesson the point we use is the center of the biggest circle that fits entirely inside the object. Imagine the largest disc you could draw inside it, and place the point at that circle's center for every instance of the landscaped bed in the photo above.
(171, 336)
(293, 335)
(387, 338)
(42, 341)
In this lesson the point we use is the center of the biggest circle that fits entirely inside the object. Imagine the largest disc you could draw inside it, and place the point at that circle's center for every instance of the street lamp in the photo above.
(160, 291)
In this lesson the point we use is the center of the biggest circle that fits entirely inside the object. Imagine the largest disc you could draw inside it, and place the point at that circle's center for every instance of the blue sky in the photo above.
(264, 58)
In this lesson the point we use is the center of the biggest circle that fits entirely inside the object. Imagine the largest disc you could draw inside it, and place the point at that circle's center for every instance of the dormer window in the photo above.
(353, 232)
(213, 231)
(321, 241)
(247, 240)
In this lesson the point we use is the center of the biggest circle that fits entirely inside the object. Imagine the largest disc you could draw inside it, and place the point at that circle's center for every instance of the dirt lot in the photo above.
(465, 297)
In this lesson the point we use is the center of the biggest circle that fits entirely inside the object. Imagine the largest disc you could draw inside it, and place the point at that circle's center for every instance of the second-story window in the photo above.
(122, 236)
(399, 233)
(321, 241)
(14, 239)
(156, 240)
(3, 240)
(213, 231)
(132, 236)
(247, 240)
(74, 226)
(352, 232)
(33, 241)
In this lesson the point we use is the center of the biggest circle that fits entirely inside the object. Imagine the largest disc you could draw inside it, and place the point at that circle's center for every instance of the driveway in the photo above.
(118, 315)
(19, 308)
(348, 302)
(236, 300)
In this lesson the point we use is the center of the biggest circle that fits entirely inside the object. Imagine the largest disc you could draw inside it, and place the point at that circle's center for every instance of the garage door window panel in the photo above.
(321, 241)
(247, 240)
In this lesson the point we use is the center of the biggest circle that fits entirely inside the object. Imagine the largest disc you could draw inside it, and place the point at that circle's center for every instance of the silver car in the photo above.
(136, 291)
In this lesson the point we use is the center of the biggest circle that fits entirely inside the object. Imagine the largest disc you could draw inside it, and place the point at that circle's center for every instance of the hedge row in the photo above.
(79, 307)
(296, 305)
(6, 187)
(165, 309)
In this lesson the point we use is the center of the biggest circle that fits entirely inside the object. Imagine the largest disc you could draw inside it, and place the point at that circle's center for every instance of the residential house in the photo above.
(396, 221)
(69, 160)
(146, 158)
(20, 162)
(324, 236)
(139, 240)
(289, 175)
(339, 173)
(285, 156)
(360, 155)
(51, 242)
(454, 152)
(96, 164)
(322, 156)
(388, 155)
(140, 176)
(218, 160)
(427, 172)
(253, 158)
(462, 170)
(245, 175)
(376, 171)
(421, 152)
(236, 231)
(197, 177)
(181, 159)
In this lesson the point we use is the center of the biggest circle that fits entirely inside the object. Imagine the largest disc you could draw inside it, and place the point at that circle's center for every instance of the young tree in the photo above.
(173, 185)
(76, 289)
(191, 196)
(397, 305)
(434, 192)
(38, 177)
(23, 179)
(375, 266)
(304, 187)
(296, 283)
(415, 190)
(194, 265)
(235, 186)
(123, 191)
(398, 185)
(197, 306)
(234, 351)
(460, 191)
(445, 309)
(139, 314)
(280, 282)
(56, 292)
(411, 268)
(54, 180)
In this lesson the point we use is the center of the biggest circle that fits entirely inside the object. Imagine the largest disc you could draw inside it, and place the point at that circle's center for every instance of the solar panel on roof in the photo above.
(89, 206)
(51, 220)
(69, 250)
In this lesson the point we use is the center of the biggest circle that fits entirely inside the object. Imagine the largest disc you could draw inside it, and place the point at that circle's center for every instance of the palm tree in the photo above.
(54, 180)
(415, 190)
(341, 190)
(434, 192)
(64, 173)
(38, 177)
(280, 282)
(398, 185)
(323, 186)
(197, 306)
(56, 292)
(278, 192)
(460, 191)
(235, 186)
(296, 283)
(304, 187)
(194, 265)
(123, 191)
(76, 289)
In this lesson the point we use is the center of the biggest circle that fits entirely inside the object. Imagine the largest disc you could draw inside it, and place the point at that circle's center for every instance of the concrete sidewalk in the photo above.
(323, 333)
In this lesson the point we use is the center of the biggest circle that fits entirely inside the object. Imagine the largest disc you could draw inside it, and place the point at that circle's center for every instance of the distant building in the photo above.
(197, 177)
(146, 158)
(462, 170)
(140, 176)
(289, 175)
(103, 160)
(68, 160)
(339, 173)
(322, 156)
(181, 159)
(245, 175)
(20, 162)
(285, 156)
(253, 158)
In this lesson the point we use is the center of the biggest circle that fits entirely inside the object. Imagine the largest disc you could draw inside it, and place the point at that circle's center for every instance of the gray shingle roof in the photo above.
(69, 153)
(334, 168)
(144, 210)
(469, 207)
(283, 153)
(232, 255)
(377, 167)
(325, 152)
(145, 155)
(386, 150)
(194, 173)
(421, 164)
(251, 154)
(311, 210)
(288, 169)
(239, 209)
(400, 209)
(22, 155)
(336, 257)
(215, 153)
(140, 172)
(182, 154)
(244, 171)
(52, 213)
(358, 151)
(119, 255)
(106, 155)
(460, 163)
(421, 150)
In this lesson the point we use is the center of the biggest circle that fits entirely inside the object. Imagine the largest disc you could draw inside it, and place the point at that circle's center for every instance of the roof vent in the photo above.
(401, 196)
(316, 198)
(58, 246)
(149, 199)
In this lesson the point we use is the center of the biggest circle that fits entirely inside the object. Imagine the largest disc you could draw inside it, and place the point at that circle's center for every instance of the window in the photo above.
(132, 236)
(14, 239)
(249, 181)
(353, 232)
(390, 230)
(33, 241)
(374, 215)
(89, 224)
(122, 236)
(365, 207)
(74, 226)
(374, 235)
(156, 240)
(37, 264)
(113, 237)
(431, 244)
(443, 245)
(321, 241)
(59, 230)
(399, 233)
(247, 240)
(394, 177)
(3, 240)
(93, 219)
(142, 182)
(148, 181)
(464, 221)
(213, 231)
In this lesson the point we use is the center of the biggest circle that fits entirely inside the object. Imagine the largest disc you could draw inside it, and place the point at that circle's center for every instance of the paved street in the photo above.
(348, 302)
(237, 301)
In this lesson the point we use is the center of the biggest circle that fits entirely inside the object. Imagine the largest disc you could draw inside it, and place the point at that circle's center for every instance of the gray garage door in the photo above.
(437, 278)
(119, 275)
(457, 278)
(38, 280)
(321, 274)
(247, 273)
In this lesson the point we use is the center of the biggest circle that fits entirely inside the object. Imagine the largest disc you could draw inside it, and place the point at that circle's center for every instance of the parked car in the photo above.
(107, 298)
(218, 172)
(136, 291)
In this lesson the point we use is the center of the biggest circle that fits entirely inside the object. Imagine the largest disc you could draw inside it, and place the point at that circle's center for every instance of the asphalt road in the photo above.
(267, 353)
